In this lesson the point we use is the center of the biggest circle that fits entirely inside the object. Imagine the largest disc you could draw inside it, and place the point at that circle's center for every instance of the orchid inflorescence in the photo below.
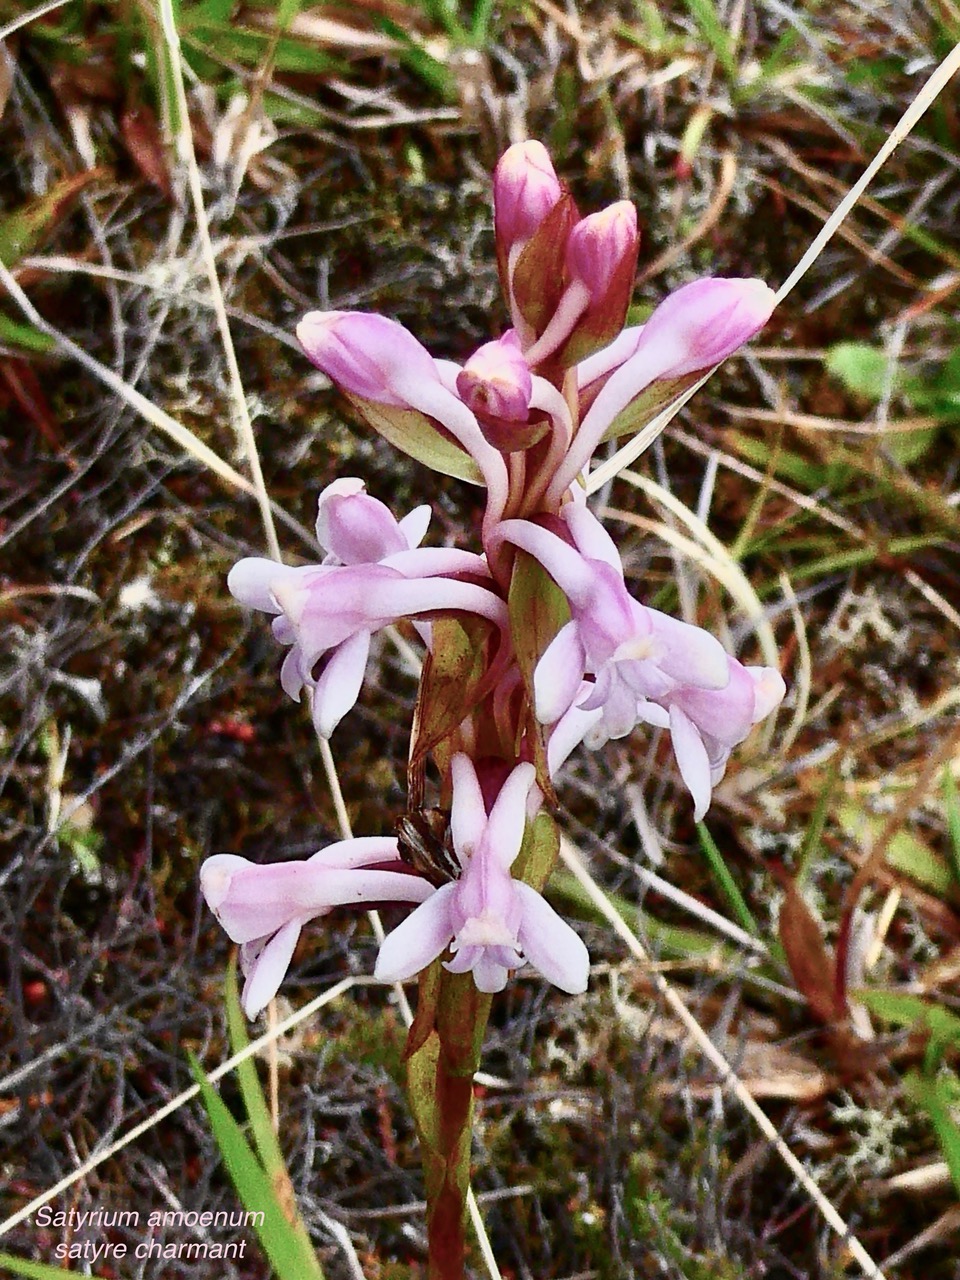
(538, 636)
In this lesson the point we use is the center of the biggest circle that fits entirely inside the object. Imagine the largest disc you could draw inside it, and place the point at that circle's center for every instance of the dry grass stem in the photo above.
(241, 413)
(728, 1077)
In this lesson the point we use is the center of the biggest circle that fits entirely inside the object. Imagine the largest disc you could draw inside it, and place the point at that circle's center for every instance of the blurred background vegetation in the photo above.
(345, 154)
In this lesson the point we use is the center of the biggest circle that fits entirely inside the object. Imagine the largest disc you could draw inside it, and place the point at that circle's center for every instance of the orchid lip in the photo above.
(636, 648)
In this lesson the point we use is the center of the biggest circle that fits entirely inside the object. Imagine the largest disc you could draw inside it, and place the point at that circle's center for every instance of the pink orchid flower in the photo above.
(491, 923)
(264, 908)
(329, 612)
(646, 666)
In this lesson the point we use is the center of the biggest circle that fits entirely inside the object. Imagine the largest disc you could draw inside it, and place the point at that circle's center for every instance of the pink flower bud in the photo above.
(693, 329)
(701, 324)
(600, 244)
(366, 355)
(496, 381)
(383, 368)
(525, 189)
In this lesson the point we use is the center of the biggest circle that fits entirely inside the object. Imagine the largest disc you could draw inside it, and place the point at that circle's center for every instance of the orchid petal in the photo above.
(550, 945)
(619, 710)
(433, 399)
(338, 688)
(724, 714)
(418, 941)
(253, 901)
(468, 815)
(463, 960)
(355, 527)
(568, 568)
(505, 826)
(489, 976)
(251, 581)
(559, 674)
(688, 653)
(496, 382)
(269, 969)
(357, 852)
(692, 760)
(447, 371)
(692, 329)
(592, 539)
(568, 732)
(414, 525)
(435, 562)
(769, 691)
(292, 678)
(652, 713)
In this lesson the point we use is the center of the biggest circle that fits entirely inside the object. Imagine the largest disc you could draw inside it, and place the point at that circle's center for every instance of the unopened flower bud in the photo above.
(702, 323)
(366, 355)
(525, 189)
(496, 381)
(600, 245)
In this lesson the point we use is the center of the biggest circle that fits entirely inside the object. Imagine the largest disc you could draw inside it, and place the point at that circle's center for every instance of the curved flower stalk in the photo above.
(491, 922)
(264, 908)
(646, 666)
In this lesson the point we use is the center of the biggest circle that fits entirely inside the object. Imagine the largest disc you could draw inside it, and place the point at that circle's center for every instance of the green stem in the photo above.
(444, 1053)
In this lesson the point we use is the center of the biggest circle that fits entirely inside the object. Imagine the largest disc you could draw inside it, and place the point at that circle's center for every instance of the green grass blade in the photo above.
(480, 23)
(726, 883)
(214, 11)
(813, 835)
(906, 852)
(431, 71)
(716, 35)
(32, 1270)
(264, 1136)
(286, 13)
(908, 1010)
(951, 800)
(672, 941)
(290, 1256)
(934, 1096)
(24, 335)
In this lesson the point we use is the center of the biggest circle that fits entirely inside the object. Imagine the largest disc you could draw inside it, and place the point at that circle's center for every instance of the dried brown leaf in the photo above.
(810, 963)
(141, 137)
